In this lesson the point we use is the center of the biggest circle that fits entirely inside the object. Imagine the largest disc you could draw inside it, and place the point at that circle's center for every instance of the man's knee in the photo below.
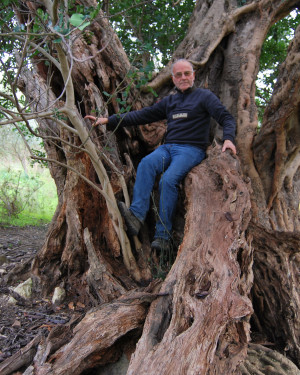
(152, 163)
(168, 180)
(146, 164)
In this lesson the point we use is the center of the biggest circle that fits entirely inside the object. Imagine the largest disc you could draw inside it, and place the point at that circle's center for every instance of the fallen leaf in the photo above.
(71, 306)
(80, 305)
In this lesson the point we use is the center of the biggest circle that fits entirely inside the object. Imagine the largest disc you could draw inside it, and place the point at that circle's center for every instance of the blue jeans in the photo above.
(173, 162)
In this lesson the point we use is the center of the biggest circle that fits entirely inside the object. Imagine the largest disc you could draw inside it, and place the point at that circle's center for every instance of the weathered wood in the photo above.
(280, 135)
(95, 338)
(262, 360)
(99, 275)
(203, 326)
(21, 358)
(276, 288)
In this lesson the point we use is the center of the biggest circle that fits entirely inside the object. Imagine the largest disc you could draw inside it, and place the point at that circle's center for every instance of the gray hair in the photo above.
(181, 60)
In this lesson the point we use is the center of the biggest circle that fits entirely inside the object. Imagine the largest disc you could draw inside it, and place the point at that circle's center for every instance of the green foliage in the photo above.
(9, 43)
(41, 154)
(137, 78)
(22, 23)
(16, 193)
(7, 14)
(150, 30)
(6, 103)
(26, 200)
(12, 146)
(57, 114)
(272, 55)
(79, 20)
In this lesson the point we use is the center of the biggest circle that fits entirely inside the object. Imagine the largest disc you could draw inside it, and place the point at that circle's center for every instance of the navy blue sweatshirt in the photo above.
(188, 116)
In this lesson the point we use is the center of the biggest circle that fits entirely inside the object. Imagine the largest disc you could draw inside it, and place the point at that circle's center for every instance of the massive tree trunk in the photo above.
(239, 250)
(203, 327)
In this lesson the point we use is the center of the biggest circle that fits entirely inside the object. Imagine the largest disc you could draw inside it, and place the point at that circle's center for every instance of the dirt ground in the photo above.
(21, 322)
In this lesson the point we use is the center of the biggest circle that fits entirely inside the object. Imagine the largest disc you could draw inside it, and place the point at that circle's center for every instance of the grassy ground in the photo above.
(26, 199)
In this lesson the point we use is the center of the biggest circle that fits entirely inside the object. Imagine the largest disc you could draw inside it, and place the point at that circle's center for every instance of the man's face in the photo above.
(183, 75)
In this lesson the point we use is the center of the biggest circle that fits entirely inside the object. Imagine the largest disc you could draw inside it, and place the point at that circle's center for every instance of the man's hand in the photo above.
(97, 120)
(229, 145)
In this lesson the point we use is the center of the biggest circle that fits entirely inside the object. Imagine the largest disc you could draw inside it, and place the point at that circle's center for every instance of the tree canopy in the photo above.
(150, 31)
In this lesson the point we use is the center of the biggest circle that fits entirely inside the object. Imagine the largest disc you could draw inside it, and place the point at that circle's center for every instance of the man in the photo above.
(188, 114)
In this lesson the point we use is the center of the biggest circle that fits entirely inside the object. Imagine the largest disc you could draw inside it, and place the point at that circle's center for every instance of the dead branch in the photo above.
(20, 359)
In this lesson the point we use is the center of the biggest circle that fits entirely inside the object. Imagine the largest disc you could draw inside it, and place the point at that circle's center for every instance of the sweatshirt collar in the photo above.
(187, 91)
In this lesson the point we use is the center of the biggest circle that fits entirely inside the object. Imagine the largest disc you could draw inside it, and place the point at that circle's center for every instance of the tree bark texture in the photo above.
(237, 209)
(203, 327)
(280, 135)
(95, 341)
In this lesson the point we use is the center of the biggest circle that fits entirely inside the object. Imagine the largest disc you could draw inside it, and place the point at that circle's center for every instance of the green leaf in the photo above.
(84, 25)
(78, 20)
(153, 92)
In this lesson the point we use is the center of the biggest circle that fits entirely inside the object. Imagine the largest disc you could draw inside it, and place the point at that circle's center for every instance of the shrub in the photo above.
(17, 192)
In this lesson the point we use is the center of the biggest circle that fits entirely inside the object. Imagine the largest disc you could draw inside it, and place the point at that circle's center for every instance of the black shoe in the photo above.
(161, 244)
(133, 224)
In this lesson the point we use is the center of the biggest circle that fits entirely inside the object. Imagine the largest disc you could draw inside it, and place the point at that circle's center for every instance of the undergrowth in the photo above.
(26, 198)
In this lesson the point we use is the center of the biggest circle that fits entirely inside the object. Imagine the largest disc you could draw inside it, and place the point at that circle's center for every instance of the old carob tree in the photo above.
(229, 300)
